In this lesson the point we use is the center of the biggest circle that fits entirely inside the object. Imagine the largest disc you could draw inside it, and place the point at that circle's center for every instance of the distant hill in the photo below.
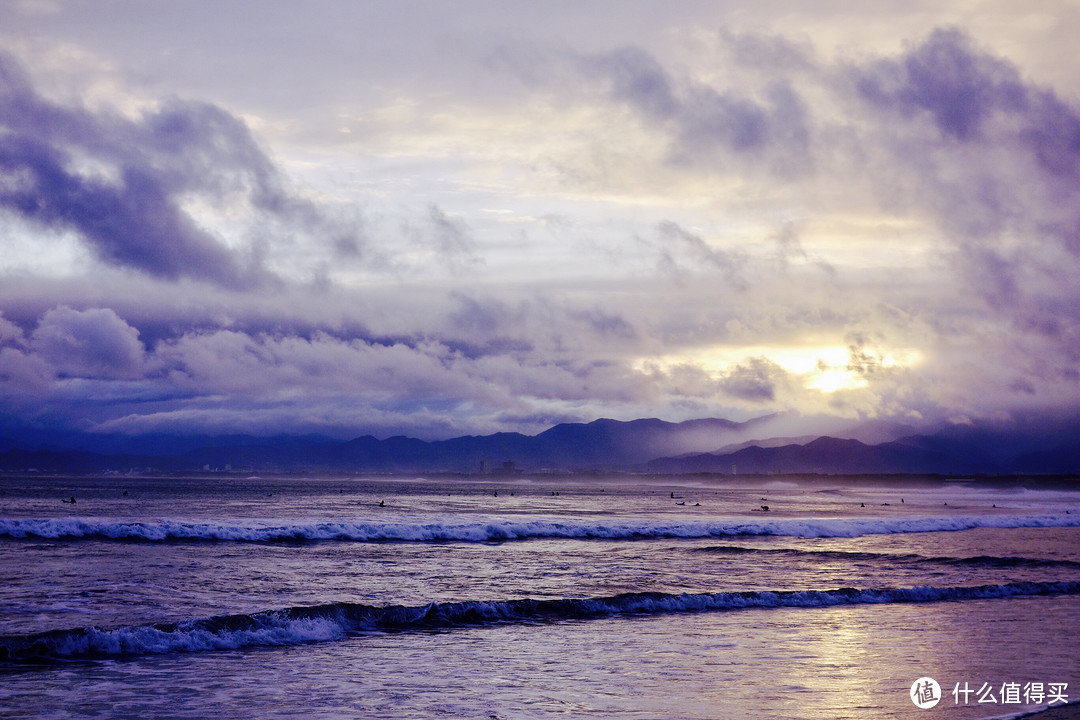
(822, 455)
(646, 445)
(599, 444)
(569, 446)
(963, 450)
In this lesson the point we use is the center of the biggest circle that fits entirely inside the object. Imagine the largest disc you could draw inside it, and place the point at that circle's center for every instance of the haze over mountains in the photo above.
(709, 445)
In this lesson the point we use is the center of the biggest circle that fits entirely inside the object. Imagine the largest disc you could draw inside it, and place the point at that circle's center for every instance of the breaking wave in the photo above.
(498, 530)
(322, 623)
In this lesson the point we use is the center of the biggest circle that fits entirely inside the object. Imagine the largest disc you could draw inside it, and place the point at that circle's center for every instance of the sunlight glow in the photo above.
(823, 368)
(829, 380)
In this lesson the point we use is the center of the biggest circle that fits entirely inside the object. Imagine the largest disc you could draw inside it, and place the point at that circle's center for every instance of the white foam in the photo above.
(505, 530)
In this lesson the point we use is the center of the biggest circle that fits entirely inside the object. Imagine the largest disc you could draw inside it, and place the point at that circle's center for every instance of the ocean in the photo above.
(536, 597)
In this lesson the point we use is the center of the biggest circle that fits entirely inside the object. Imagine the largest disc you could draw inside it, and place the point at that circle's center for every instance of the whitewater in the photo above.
(531, 597)
(495, 530)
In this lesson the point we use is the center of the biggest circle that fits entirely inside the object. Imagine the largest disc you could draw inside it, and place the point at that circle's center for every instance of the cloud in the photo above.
(90, 368)
(92, 343)
(9, 331)
(994, 161)
(605, 324)
(943, 133)
(945, 78)
(451, 237)
(756, 381)
(133, 224)
(713, 119)
(968, 127)
(637, 79)
(22, 373)
(708, 125)
(676, 241)
(743, 193)
(123, 185)
(943, 130)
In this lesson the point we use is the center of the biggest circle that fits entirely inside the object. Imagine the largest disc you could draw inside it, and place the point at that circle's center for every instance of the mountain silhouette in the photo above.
(645, 445)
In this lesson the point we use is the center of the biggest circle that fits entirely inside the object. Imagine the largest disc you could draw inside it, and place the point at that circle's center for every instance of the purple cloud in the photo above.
(782, 155)
(92, 343)
(995, 160)
(755, 382)
(637, 79)
(947, 79)
(704, 121)
(674, 237)
(130, 215)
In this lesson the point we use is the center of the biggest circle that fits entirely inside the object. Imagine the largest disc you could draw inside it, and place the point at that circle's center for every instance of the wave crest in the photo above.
(498, 530)
(302, 625)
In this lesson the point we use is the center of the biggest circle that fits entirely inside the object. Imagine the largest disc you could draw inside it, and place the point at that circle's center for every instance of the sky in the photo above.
(449, 218)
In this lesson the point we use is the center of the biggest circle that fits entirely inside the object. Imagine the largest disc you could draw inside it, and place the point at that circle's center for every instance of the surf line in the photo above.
(337, 621)
(500, 530)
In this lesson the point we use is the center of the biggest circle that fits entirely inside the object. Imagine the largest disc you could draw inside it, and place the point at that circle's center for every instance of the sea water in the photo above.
(515, 597)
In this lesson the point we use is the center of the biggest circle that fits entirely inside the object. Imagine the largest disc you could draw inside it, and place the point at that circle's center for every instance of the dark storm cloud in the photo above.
(119, 183)
(200, 146)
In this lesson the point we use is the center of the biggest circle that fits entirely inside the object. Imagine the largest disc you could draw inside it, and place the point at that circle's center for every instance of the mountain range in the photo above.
(709, 445)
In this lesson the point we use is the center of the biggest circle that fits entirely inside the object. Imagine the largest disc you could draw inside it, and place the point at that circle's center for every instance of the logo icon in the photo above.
(925, 693)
